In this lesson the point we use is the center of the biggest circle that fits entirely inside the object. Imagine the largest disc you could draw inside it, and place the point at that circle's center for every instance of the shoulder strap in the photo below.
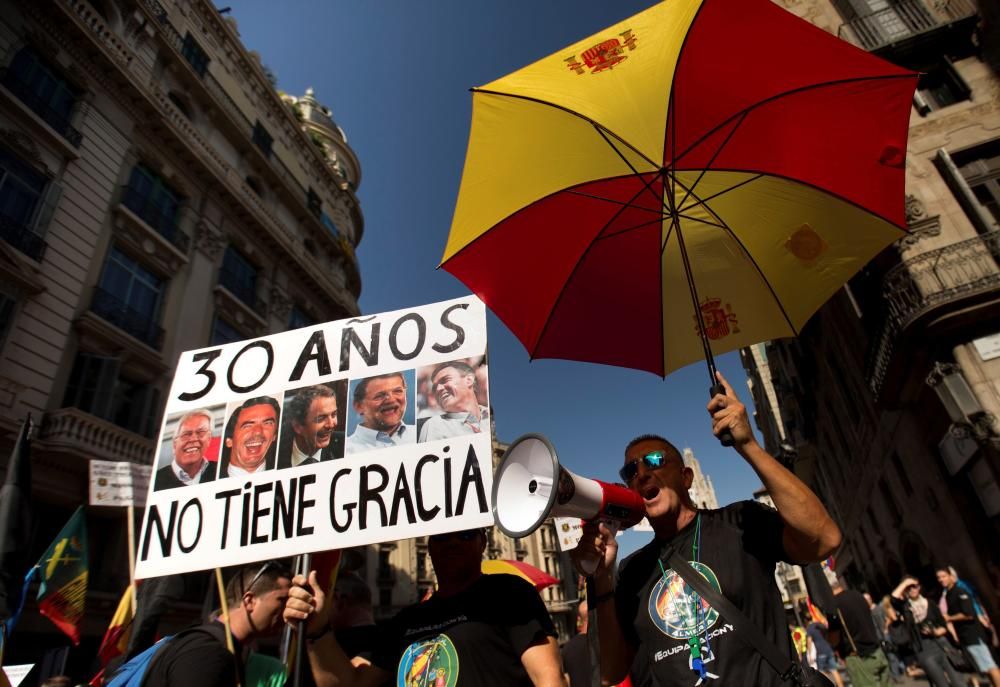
(743, 628)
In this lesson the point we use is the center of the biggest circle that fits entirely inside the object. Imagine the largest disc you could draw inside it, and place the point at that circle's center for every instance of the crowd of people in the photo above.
(698, 605)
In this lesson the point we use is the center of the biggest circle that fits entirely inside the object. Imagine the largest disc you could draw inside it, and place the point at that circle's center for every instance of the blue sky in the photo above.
(396, 75)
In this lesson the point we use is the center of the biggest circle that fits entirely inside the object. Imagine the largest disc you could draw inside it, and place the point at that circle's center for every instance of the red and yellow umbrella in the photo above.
(530, 573)
(718, 152)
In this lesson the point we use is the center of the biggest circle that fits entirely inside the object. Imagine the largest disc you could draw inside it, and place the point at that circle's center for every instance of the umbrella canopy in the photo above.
(539, 578)
(723, 152)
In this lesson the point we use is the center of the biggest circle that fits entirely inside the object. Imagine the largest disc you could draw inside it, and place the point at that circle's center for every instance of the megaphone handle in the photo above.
(726, 437)
(589, 565)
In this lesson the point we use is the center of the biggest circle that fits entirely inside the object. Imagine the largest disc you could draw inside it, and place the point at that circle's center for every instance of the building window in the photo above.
(96, 386)
(224, 333)
(155, 203)
(940, 86)
(128, 297)
(39, 86)
(7, 305)
(980, 168)
(27, 199)
(255, 186)
(262, 139)
(194, 54)
(299, 319)
(329, 224)
(313, 202)
(239, 276)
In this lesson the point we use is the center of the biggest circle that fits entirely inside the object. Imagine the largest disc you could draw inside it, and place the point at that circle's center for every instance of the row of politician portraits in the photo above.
(324, 422)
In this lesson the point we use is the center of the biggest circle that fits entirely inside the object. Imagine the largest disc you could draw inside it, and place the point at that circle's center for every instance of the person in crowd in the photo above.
(476, 630)
(256, 596)
(455, 387)
(927, 629)
(855, 638)
(381, 403)
(651, 615)
(576, 653)
(885, 617)
(250, 437)
(962, 615)
(352, 618)
(310, 434)
(189, 465)
(826, 659)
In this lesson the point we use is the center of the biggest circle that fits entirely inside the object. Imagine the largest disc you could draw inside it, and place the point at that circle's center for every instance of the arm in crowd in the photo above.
(616, 653)
(331, 667)
(542, 663)
(810, 533)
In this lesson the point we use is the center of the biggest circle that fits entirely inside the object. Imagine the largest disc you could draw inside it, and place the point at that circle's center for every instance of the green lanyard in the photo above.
(694, 642)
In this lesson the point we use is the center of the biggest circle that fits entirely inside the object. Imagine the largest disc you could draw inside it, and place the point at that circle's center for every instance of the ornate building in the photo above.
(156, 195)
(702, 492)
(889, 398)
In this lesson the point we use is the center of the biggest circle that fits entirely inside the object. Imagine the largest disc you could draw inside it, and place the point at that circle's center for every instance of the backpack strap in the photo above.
(747, 631)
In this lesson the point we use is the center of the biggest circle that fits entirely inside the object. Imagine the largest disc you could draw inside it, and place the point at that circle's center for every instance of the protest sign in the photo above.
(569, 531)
(118, 483)
(16, 674)
(353, 432)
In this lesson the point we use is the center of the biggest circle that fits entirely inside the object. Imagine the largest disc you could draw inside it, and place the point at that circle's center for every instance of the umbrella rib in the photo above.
(596, 125)
(745, 111)
(708, 166)
(767, 282)
(569, 278)
(700, 220)
(632, 228)
(625, 160)
(720, 193)
(613, 201)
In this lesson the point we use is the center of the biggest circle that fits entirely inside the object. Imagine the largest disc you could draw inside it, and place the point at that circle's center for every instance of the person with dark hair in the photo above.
(381, 403)
(250, 435)
(310, 428)
(352, 618)
(475, 631)
(853, 633)
(927, 631)
(456, 388)
(649, 615)
(189, 464)
(199, 657)
(962, 615)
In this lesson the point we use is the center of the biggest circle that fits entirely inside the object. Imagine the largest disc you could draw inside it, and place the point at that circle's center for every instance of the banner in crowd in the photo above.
(369, 429)
(118, 483)
(64, 570)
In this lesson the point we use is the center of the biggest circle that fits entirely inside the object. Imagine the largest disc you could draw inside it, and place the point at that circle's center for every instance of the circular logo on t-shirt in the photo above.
(429, 663)
(677, 610)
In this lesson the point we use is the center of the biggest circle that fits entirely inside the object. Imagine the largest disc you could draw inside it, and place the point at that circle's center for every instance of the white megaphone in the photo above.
(531, 486)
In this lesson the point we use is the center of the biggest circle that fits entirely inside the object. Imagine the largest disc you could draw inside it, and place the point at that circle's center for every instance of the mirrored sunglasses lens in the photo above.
(653, 460)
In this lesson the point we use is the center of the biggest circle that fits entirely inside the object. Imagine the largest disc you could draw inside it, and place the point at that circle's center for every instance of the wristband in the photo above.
(601, 598)
(319, 635)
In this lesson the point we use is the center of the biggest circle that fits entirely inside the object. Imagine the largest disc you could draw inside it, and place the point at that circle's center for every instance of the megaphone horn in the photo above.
(531, 486)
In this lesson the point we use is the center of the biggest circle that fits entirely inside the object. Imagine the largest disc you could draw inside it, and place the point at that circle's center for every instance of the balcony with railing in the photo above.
(22, 238)
(162, 219)
(78, 433)
(137, 324)
(27, 94)
(906, 25)
(955, 278)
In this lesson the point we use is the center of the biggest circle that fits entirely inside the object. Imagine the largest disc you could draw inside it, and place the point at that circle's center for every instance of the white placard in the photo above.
(234, 406)
(569, 531)
(988, 347)
(16, 674)
(118, 483)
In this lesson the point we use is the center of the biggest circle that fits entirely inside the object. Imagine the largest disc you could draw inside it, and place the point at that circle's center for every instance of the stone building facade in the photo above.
(889, 398)
(156, 195)
(702, 491)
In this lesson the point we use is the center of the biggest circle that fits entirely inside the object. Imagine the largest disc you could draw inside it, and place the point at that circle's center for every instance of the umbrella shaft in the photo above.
(689, 275)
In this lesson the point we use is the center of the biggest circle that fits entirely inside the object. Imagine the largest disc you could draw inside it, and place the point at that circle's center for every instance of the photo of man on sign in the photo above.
(311, 425)
(382, 412)
(249, 445)
(458, 390)
(192, 454)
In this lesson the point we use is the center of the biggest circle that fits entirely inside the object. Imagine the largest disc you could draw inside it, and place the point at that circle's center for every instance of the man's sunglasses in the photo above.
(652, 460)
(464, 535)
(269, 565)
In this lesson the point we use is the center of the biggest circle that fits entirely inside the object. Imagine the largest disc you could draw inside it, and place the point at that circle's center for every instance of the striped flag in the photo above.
(64, 571)
(116, 638)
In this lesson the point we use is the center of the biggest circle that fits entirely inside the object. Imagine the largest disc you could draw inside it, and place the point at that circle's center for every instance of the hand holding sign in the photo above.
(307, 604)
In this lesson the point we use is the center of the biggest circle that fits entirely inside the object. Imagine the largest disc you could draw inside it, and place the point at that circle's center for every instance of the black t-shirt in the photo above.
(198, 657)
(576, 661)
(858, 618)
(359, 640)
(658, 612)
(470, 639)
(959, 601)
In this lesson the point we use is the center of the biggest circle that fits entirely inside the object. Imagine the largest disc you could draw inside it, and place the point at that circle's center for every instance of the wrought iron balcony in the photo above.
(79, 433)
(22, 238)
(111, 308)
(25, 92)
(923, 283)
(905, 20)
(164, 221)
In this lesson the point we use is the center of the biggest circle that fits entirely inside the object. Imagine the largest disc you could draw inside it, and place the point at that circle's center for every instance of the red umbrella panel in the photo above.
(539, 578)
